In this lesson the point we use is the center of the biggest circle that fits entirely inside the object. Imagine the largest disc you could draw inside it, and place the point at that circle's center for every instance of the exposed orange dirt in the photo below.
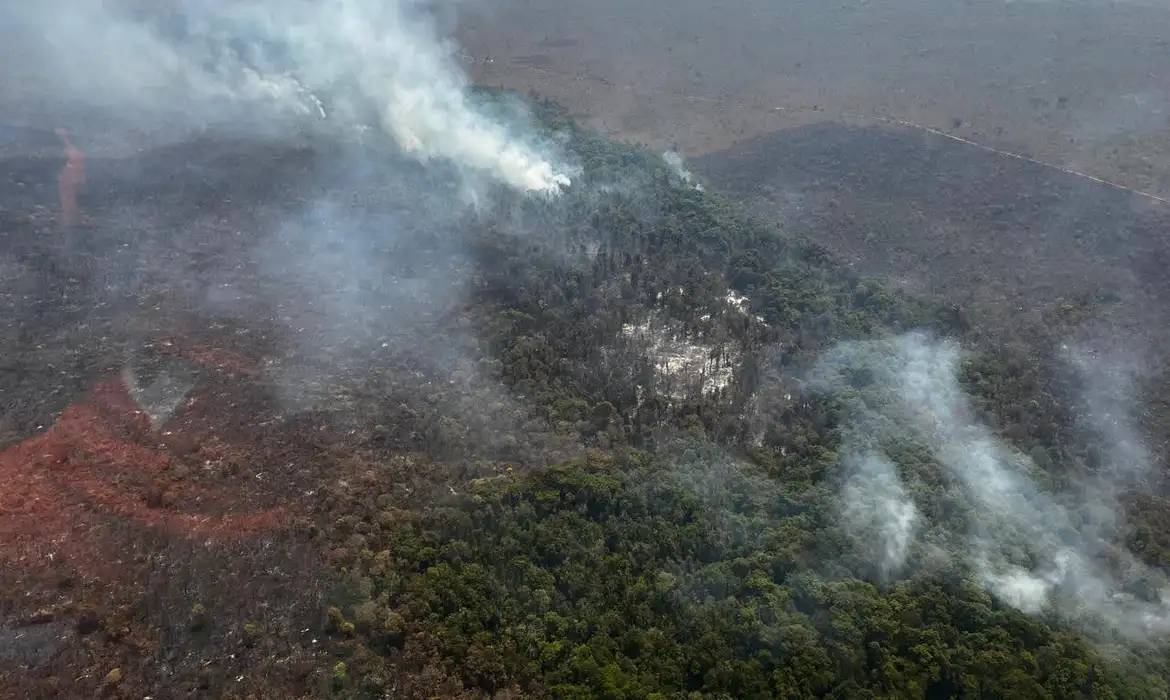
(102, 460)
(159, 503)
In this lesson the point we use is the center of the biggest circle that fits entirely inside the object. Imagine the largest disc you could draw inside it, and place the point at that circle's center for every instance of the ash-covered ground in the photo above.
(408, 392)
(151, 471)
(1014, 244)
(220, 337)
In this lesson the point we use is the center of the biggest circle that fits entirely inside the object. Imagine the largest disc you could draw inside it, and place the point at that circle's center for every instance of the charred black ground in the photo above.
(1014, 243)
(521, 448)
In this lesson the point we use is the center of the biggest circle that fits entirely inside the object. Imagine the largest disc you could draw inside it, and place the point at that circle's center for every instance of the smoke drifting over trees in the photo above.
(257, 64)
(1034, 549)
(878, 512)
(533, 398)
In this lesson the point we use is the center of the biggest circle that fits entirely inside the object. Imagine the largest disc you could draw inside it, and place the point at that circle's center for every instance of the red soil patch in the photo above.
(216, 359)
(102, 461)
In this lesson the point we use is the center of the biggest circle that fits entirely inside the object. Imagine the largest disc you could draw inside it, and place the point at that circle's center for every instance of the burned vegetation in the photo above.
(311, 419)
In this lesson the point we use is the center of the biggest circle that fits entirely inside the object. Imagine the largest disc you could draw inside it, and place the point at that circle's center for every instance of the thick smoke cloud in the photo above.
(1027, 546)
(266, 64)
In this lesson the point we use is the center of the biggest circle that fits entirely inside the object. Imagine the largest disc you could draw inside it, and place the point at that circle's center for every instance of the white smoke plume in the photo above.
(877, 511)
(348, 61)
(1027, 546)
(675, 161)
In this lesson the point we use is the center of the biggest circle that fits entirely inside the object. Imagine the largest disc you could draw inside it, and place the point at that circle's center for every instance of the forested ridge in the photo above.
(338, 359)
(613, 524)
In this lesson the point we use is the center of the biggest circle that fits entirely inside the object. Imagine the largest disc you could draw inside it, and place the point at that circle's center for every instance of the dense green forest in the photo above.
(605, 524)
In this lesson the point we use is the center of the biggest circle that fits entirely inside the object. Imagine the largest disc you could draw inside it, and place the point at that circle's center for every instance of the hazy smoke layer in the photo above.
(1026, 546)
(348, 61)
(878, 512)
(1108, 385)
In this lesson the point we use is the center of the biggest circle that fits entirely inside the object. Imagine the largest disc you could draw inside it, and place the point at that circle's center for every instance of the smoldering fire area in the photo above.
(326, 373)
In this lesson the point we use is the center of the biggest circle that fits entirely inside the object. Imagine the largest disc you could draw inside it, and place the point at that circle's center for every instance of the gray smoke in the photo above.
(877, 511)
(1108, 381)
(266, 63)
(1027, 546)
(675, 161)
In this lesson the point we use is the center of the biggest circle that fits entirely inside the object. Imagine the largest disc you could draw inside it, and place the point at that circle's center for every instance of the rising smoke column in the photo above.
(1025, 545)
(351, 62)
(394, 59)
(877, 511)
(675, 162)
